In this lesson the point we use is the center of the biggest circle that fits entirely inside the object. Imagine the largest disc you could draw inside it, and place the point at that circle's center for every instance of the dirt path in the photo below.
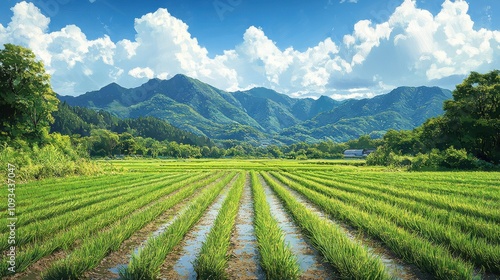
(396, 267)
(310, 261)
(244, 253)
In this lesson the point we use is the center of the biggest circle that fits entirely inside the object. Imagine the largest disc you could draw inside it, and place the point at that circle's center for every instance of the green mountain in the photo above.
(402, 108)
(260, 113)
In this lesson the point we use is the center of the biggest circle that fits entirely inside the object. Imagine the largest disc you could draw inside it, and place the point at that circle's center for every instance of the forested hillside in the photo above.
(261, 114)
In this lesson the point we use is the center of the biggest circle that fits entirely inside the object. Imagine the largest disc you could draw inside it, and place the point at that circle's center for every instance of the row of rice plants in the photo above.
(72, 184)
(145, 264)
(469, 248)
(30, 204)
(94, 248)
(276, 257)
(470, 207)
(83, 200)
(30, 253)
(483, 190)
(349, 258)
(47, 204)
(410, 247)
(211, 262)
(95, 205)
(474, 226)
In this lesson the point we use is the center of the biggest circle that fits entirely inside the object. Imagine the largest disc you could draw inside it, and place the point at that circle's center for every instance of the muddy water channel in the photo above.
(244, 252)
(180, 263)
(310, 261)
(396, 267)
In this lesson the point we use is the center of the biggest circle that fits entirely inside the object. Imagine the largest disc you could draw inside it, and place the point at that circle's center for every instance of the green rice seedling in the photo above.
(145, 264)
(410, 247)
(475, 250)
(474, 226)
(64, 240)
(42, 229)
(95, 248)
(276, 257)
(349, 258)
(211, 262)
(441, 201)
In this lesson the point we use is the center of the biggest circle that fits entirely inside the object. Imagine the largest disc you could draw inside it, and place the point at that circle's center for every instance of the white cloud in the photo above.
(140, 73)
(413, 47)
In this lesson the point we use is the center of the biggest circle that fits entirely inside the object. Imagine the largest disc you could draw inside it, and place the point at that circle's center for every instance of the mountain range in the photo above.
(262, 114)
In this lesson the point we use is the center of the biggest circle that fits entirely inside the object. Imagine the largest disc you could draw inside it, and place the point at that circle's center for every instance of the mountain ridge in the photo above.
(260, 113)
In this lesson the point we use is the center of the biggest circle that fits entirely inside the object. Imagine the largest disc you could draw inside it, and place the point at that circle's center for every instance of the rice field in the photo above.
(255, 219)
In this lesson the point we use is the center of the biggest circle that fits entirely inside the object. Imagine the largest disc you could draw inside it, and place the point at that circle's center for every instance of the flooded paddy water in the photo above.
(309, 259)
(244, 251)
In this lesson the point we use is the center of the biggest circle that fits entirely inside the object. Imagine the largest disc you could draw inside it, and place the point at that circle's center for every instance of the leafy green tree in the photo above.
(26, 97)
(473, 116)
(104, 142)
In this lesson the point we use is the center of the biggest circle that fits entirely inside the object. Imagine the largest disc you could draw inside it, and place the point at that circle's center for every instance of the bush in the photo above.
(56, 158)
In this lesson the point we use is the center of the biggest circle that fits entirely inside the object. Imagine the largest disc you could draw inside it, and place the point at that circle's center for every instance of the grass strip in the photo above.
(276, 257)
(96, 248)
(146, 263)
(211, 262)
(410, 247)
(351, 260)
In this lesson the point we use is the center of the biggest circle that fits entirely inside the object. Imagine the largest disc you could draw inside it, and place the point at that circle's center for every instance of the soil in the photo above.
(244, 253)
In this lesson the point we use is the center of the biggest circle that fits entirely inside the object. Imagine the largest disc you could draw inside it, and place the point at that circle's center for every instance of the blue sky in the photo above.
(339, 48)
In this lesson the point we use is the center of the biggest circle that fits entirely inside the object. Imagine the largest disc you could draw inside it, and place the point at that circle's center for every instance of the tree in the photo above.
(26, 97)
(473, 116)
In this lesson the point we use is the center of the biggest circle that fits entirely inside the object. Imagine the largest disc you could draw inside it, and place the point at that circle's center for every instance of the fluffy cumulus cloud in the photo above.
(413, 47)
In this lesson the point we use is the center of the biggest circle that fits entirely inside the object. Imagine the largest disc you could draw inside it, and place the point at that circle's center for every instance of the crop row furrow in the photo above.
(350, 258)
(42, 229)
(145, 264)
(55, 199)
(474, 189)
(439, 201)
(410, 247)
(475, 250)
(474, 226)
(65, 239)
(95, 248)
(77, 202)
(211, 262)
(276, 257)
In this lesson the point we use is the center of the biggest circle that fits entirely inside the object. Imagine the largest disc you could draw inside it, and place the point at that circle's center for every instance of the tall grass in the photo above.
(276, 257)
(211, 262)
